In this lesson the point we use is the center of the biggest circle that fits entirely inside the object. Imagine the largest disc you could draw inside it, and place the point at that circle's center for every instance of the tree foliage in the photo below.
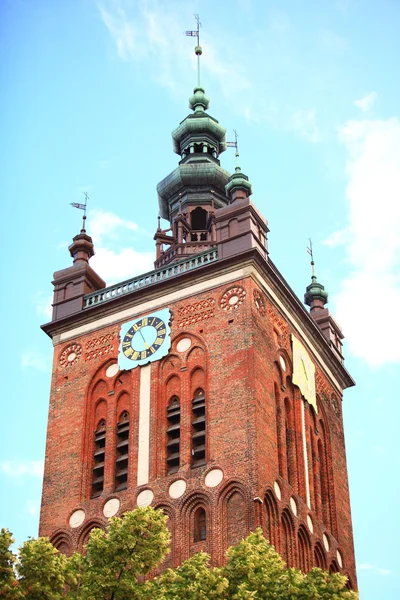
(117, 564)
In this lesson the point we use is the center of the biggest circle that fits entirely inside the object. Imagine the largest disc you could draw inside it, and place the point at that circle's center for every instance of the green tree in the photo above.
(8, 581)
(117, 559)
(117, 563)
(41, 570)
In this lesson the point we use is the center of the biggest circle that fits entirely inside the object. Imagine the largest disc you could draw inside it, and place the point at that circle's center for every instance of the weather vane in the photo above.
(235, 145)
(82, 207)
(198, 50)
(310, 252)
(197, 32)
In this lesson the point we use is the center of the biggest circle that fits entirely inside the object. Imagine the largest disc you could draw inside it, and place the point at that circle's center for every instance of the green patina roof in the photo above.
(208, 174)
(315, 291)
(238, 181)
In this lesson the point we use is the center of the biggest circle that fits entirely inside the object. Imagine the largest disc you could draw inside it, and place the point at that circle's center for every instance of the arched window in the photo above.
(319, 556)
(173, 434)
(122, 454)
(290, 443)
(287, 538)
(271, 519)
(334, 567)
(99, 458)
(200, 525)
(199, 428)
(198, 218)
(304, 550)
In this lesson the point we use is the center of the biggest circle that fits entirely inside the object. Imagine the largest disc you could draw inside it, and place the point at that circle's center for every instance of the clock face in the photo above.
(144, 340)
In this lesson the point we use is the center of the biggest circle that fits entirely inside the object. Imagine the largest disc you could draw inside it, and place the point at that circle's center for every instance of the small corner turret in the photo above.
(316, 297)
(71, 284)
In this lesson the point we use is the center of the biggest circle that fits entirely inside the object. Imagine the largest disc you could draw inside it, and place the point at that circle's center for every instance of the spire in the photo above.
(82, 248)
(316, 296)
(238, 185)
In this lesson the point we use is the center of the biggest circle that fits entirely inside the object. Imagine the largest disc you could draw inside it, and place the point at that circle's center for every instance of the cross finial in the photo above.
(310, 252)
(198, 51)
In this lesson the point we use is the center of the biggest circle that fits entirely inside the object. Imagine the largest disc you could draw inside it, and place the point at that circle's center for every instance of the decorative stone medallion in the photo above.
(310, 524)
(111, 507)
(184, 344)
(77, 518)
(177, 488)
(326, 542)
(233, 298)
(293, 506)
(145, 498)
(112, 370)
(70, 355)
(339, 559)
(259, 302)
(277, 490)
(213, 477)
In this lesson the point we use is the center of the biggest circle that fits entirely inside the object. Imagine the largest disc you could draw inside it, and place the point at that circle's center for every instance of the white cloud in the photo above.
(337, 238)
(32, 507)
(375, 569)
(114, 266)
(304, 123)
(17, 468)
(35, 360)
(105, 224)
(123, 32)
(367, 102)
(369, 297)
(43, 305)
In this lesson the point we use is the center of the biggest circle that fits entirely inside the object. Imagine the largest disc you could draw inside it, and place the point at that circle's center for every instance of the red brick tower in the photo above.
(204, 387)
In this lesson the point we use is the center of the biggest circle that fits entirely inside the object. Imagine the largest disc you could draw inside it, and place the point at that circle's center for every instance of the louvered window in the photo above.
(200, 525)
(173, 434)
(122, 454)
(99, 458)
(199, 429)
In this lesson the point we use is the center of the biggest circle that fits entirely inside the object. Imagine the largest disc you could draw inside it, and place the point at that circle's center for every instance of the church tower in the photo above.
(204, 387)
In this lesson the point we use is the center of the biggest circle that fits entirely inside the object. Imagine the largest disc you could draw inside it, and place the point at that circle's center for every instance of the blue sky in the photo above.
(90, 93)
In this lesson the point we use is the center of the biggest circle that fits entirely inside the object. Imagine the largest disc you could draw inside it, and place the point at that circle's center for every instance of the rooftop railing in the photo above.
(119, 289)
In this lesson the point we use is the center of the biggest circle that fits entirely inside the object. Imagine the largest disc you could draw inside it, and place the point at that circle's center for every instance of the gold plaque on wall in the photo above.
(304, 372)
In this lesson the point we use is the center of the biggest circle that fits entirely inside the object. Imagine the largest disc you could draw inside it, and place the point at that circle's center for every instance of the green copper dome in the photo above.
(315, 291)
(238, 181)
(199, 101)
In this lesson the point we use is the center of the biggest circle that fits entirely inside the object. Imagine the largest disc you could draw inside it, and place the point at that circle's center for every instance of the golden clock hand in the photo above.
(146, 345)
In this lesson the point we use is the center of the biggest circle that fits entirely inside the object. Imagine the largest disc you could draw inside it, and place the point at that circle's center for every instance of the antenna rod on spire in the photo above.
(82, 207)
(310, 252)
(198, 51)
(235, 145)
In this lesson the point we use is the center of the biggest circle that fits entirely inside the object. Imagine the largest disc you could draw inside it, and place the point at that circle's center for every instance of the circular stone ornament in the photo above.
(326, 542)
(77, 518)
(277, 490)
(184, 344)
(233, 298)
(293, 506)
(310, 524)
(339, 559)
(259, 302)
(111, 507)
(70, 355)
(213, 477)
(177, 488)
(282, 363)
(112, 370)
(145, 498)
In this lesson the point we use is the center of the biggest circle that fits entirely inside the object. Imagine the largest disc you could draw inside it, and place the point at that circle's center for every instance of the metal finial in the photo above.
(82, 207)
(310, 252)
(235, 145)
(198, 50)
